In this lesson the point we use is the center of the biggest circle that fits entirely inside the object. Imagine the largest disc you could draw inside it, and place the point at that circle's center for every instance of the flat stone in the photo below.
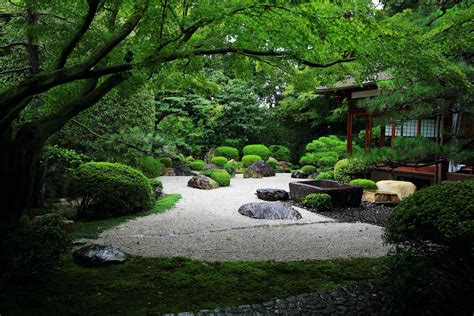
(259, 169)
(272, 195)
(381, 197)
(202, 182)
(269, 210)
(402, 188)
(99, 255)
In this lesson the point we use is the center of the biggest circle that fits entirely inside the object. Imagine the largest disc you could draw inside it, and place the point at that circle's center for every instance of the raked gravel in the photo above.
(206, 225)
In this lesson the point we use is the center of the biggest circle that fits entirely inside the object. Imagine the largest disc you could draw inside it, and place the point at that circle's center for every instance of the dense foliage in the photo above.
(219, 161)
(197, 165)
(228, 152)
(257, 150)
(248, 160)
(324, 152)
(280, 153)
(109, 189)
(347, 168)
(307, 170)
(318, 201)
(220, 176)
(150, 166)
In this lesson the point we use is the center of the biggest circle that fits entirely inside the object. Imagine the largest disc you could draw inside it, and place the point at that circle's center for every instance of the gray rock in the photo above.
(181, 168)
(272, 195)
(269, 210)
(298, 175)
(202, 182)
(99, 255)
(259, 169)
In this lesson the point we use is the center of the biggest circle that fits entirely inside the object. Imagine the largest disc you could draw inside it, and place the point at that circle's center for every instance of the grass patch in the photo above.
(92, 229)
(144, 286)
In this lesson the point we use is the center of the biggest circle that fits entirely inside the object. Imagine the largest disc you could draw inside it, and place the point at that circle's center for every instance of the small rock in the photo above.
(269, 210)
(99, 255)
(202, 182)
(272, 195)
(298, 175)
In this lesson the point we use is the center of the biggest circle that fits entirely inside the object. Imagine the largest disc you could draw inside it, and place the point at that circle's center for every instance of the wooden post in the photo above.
(418, 127)
(382, 136)
(368, 133)
(394, 126)
(349, 132)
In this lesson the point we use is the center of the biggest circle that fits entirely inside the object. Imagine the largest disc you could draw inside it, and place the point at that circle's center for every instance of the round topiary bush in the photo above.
(221, 176)
(250, 159)
(166, 161)
(307, 170)
(282, 153)
(257, 149)
(272, 162)
(197, 165)
(318, 201)
(228, 152)
(109, 189)
(219, 161)
(150, 166)
(346, 167)
(326, 175)
(365, 183)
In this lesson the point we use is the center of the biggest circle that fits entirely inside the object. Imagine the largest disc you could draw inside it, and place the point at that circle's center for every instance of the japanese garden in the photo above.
(176, 157)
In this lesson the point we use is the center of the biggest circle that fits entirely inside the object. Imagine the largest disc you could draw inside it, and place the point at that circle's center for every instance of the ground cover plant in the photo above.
(159, 285)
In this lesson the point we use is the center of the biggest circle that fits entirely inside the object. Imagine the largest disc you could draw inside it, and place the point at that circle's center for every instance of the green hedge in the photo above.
(345, 167)
(258, 150)
(166, 161)
(279, 152)
(110, 189)
(150, 167)
(219, 161)
(318, 201)
(248, 160)
(365, 183)
(228, 152)
(307, 170)
(197, 165)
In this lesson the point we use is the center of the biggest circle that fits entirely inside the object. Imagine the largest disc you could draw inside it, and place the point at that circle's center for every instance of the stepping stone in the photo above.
(402, 188)
(98, 255)
(269, 210)
(272, 195)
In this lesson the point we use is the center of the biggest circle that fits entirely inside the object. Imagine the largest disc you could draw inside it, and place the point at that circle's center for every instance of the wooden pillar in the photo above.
(418, 127)
(349, 132)
(441, 128)
(368, 133)
(382, 136)
(394, 127)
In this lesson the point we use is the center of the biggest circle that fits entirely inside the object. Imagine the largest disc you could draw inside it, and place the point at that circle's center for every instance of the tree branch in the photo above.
(12, 44)
(3, 72)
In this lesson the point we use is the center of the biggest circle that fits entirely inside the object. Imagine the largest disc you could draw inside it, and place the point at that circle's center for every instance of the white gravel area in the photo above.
(206, 225)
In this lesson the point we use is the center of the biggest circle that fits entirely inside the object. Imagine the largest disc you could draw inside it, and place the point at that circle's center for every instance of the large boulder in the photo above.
(272, 195)
(402, 188)
(298, 175)
(98, 255)
(269, 210)
(259, 169)
(202, 182)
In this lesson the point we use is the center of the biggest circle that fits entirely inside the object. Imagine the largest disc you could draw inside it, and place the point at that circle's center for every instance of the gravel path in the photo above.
(206, 225)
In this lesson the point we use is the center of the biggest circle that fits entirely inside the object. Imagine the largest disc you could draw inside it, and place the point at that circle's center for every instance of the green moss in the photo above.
(219, 161)
(228, 152)
(146, 286)
(197, 165)
(150, 166)
(365, 183)
(221, 176)
(257, 149)
(250, 159)
(92, 229)
(166, 161)
(307, 170)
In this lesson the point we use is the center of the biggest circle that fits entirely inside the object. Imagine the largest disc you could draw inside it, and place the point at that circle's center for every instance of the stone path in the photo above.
(206, 225)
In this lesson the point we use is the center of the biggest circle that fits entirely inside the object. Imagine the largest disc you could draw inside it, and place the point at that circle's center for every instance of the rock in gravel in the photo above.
(259, 169)
(202, 182)
(272, 195)
(269, 210)
(99, 255)
(298, 175)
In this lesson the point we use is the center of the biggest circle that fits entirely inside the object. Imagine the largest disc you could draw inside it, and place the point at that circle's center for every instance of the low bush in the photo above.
(150, 166)
(272, 162)
(320, 159)
(220, 176)
(156, 187)
(232, 167)
(307, 170)
(279, 152)
(228, 152)
(325, 175)
(36, 247)
(109, 189)
(318, 201)
(346, 167)
(365, 183)
(430, 272)
(197, 165)
(248, 160)
(258, 150)
(219, 161)
(166, 161)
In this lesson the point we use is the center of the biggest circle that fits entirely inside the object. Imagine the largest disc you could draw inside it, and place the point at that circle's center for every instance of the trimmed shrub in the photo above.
(320, 159)
(365, 183)
(197, 165)
(232, 166)
(319, 201)
(272, 162)
(166, 161)
(228, 152)
(258, 150)
(281, 153)
(36, 247)
(431, 272)
(307, 170)
(220, 176)
(345, 167)
(250, 159)
(150, 167)
(326, 175)
(110, 189)
(219, 161)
